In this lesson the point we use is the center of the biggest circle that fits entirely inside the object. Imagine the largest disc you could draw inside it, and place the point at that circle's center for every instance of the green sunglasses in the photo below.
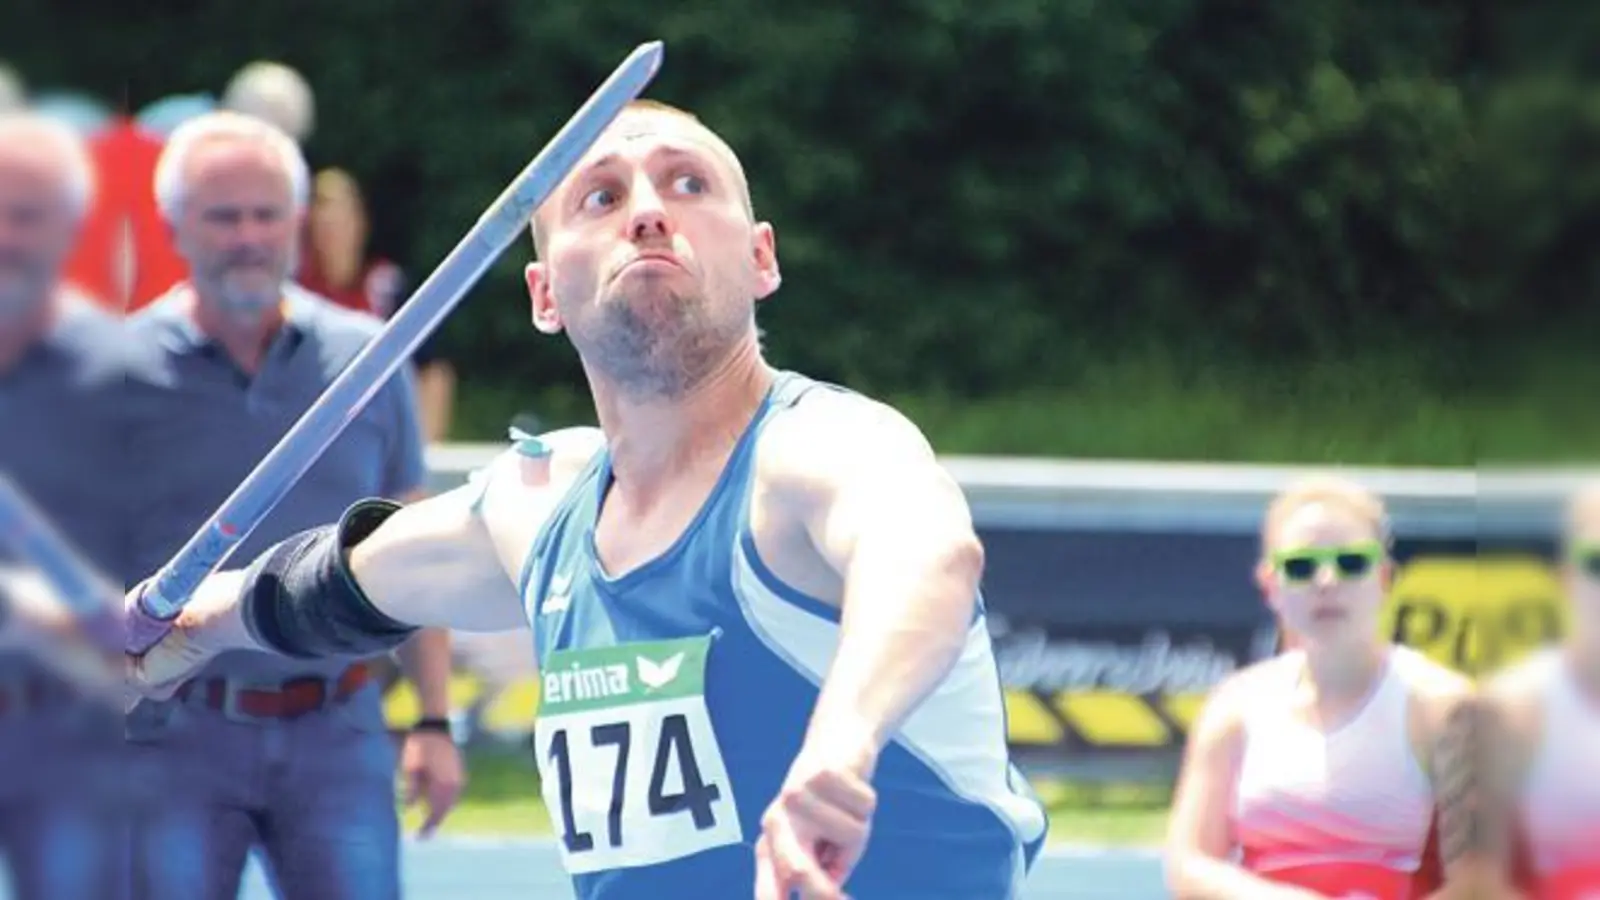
(1349, 562)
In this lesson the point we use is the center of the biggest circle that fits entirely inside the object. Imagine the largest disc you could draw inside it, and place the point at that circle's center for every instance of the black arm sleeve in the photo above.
(300, 599)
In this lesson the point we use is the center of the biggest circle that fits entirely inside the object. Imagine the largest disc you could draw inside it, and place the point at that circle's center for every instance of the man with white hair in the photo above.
(293, 756)
(60, 384)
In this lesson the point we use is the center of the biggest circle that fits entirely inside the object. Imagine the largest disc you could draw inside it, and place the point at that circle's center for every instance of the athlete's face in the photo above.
(651, 261)
(1326, 575)
(37, 226)
(238, 227)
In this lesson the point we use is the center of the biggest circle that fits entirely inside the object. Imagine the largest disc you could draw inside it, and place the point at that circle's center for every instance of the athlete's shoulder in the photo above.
(825, 422)
(552, 459)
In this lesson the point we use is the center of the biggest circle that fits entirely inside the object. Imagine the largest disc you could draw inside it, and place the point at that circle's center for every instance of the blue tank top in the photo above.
(675, 698)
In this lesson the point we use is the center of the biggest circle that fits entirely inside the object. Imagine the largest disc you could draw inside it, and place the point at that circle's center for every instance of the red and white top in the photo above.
(1343, 811)
(1560, 806)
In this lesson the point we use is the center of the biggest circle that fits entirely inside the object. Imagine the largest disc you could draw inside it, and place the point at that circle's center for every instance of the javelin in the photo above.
(355, 387)
(26, 532)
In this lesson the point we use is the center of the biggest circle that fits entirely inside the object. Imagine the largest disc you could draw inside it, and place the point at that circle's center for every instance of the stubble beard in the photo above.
(659, 347)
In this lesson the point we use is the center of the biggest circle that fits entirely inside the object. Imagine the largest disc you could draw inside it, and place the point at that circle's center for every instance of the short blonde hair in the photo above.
(1334, 490)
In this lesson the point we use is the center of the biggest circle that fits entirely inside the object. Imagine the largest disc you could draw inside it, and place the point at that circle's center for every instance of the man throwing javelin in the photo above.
(754, 597)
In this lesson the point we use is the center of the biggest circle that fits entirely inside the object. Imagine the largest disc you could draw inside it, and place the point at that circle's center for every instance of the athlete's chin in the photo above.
(660, 308)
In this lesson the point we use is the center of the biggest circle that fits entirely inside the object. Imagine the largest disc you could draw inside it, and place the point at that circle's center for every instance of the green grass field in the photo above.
(1385, 410)
(502, 800)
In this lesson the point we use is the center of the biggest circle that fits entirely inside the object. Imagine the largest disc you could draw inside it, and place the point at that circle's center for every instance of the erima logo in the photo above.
(579, 683)
(658, 675)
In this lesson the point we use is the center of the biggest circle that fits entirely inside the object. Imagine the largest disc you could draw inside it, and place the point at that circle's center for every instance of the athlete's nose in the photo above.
(648, 226)
(648, 218)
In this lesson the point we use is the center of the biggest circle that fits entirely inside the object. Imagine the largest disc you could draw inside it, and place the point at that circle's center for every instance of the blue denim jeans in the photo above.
(315, 794)
(62, 830)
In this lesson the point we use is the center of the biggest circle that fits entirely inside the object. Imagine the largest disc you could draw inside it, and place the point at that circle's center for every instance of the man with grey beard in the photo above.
(291, 756)
(60, 382)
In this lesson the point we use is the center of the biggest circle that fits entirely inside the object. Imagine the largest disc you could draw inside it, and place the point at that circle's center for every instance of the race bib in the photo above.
(630, 767)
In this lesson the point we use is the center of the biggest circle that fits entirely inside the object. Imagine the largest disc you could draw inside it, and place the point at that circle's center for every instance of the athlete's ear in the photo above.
(765, 249)
(542, 301)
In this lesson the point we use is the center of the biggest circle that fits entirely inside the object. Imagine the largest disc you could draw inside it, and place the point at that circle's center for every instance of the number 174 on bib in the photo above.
(630, 766)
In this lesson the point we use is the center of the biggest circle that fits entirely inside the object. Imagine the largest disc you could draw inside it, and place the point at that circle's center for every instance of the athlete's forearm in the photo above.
(908, 608)
(425, 659)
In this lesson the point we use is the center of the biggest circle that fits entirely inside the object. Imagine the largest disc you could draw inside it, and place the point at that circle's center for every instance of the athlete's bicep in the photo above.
(879, 495)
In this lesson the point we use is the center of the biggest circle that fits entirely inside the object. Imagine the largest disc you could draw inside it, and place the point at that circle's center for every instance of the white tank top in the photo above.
(1561, 798)
(1352, 794)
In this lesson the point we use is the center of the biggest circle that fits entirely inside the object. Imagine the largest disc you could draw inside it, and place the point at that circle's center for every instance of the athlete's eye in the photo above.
(689, 184)
(599, 198)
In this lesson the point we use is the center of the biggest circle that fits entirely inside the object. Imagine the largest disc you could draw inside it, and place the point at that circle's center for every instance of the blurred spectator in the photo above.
(225, 364)
(336, 264)
(276, 93)
(126, 256)
(60, 387)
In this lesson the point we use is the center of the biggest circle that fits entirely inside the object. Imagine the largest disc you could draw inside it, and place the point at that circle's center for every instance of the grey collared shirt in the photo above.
(197, 425)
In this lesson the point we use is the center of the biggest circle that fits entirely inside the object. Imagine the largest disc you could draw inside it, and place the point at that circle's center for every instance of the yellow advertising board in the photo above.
(1475, 614)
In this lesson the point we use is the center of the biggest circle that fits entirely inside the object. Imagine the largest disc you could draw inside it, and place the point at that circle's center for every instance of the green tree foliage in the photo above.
(977, 196)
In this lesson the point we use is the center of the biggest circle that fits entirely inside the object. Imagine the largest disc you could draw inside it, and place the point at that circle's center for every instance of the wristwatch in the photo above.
(426, 724)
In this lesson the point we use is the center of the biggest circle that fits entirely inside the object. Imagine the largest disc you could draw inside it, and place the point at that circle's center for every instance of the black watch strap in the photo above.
(440, 725)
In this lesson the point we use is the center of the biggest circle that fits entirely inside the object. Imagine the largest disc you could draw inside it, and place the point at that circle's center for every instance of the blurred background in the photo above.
(1080, 243)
